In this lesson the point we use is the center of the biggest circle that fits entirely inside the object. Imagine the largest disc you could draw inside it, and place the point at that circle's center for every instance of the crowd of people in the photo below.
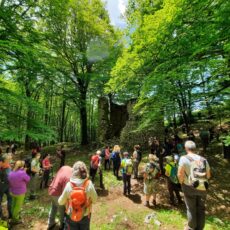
(72, 190)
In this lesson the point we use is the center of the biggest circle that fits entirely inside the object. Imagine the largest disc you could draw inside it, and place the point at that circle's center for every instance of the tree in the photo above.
(73, 27)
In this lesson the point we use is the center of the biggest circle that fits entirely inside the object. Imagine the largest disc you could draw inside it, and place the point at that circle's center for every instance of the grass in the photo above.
(114, 212)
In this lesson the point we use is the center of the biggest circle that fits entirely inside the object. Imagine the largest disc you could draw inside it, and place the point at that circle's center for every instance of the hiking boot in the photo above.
(147, 204)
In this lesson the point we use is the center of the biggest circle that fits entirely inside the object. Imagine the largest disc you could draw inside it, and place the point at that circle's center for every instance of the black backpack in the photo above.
(103, 153)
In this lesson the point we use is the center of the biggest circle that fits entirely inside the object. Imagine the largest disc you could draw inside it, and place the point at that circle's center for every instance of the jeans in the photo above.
(126, 183)
(53, 211)
(107, 163)
(17, 202)
(84, 224)
(45, 179)
(195, 204)
(135, 169)
(5, 190)
(116, 167)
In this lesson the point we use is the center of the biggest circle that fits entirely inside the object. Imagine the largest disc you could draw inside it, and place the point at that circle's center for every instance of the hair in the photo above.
(136, 147)
(152, 157)
(98, 152)
(125, 153)
(190, 145)
(79, 170)
(6, 156)
(169, 159)
(45, 155)
(18, 165)
(116, 148)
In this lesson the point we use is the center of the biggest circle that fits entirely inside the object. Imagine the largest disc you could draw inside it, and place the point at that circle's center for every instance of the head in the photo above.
(136, 147)
(169, 159)
(152, 158)
(116, 148)
(190, 146)
(106, 147)
(38, 156)
(79, 170)
(126, 154)
(6, 158)
(46, 155)
(98, 153)
(19, 165)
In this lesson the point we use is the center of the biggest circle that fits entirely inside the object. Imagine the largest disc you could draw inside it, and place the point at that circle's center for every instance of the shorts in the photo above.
(150, 187)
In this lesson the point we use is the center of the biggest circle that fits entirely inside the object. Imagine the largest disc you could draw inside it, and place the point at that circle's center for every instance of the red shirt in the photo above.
(46, 164)
(60, 180)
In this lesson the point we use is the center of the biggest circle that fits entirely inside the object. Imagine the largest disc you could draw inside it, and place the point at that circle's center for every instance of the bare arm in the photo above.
(181, 174)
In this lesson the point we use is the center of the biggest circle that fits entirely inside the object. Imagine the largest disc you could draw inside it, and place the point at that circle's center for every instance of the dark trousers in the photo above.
(107, 163)
(195, 204)
(93, 173)
(6, 191)
(116, 167)
(135, 169)
(126, 183)
(174, 189)
(84, 224)
(45, 179)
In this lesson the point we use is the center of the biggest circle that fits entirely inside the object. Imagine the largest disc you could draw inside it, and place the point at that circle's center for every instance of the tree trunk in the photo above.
(28, 119)
(83, 117)
(62, 127)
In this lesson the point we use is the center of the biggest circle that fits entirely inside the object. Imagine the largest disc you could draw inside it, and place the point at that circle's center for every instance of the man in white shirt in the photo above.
(193, 175)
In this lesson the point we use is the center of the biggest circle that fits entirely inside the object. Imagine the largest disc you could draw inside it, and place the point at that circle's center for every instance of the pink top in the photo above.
(107, 154)
(60, 180)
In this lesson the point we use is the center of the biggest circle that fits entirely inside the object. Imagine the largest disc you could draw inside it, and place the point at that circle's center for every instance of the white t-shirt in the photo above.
(186, 164)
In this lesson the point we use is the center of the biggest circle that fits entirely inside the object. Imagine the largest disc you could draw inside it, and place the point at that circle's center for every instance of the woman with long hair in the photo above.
(116, 160)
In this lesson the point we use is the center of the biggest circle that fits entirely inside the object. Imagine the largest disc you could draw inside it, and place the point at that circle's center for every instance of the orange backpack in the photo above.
(78, 202)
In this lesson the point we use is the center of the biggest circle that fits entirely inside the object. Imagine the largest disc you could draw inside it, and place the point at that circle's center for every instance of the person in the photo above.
(95, 164)
(4, 183)
(8, 149)
(116, 160)
(151, 176)
(173, 185)
(193, 175)
(55, 190)
(18, 180)
(191, 136)
(107, 157)
(35, 176)
(78, 196)
(33, 152)
(205, 138)
(126, 171)
(137, 157)
(154, 145)
(14, 148)
(61, 155)
(46, 167)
